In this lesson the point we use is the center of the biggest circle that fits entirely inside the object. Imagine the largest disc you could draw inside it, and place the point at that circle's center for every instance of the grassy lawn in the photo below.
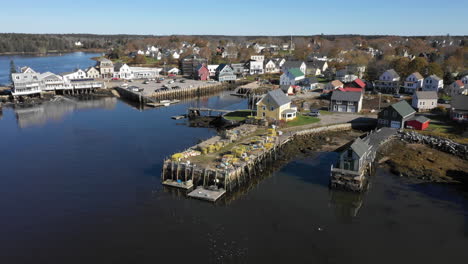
(323, 112)
(322, 80)
(240, 115)
(302, 120)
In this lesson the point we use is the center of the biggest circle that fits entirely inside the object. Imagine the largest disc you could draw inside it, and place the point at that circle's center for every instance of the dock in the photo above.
(223, 163)
(162, 103)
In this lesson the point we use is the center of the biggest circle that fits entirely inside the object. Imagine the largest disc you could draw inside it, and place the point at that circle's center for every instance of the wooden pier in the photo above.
(250, 152)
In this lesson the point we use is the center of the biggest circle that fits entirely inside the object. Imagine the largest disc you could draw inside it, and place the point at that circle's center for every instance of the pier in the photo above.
(222, 163)
(355, 163)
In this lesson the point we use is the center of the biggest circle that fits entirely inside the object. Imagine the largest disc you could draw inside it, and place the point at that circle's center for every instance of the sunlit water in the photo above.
(81, 184)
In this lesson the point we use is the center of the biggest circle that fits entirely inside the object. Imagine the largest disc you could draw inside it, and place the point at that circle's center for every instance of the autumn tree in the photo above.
(435, 68)
(401, 65)
(139, 59)
(417, 65)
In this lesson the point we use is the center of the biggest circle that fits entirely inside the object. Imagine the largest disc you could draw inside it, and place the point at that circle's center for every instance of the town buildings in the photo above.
(224, 73)
(333, 85)
(190, 64)
(106, 68)
(292, 77)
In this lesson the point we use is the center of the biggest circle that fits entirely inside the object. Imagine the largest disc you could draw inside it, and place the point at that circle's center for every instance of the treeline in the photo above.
(43, 43)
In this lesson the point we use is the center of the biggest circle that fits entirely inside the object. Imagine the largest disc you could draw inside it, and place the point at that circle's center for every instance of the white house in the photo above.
(122, 71)
(78, 44)
(92, 73)
(272, 67)
(292, 77)
(343, 75)
(51, 81)
(255, 67)
(26, 82)
(424, 101)
(212, 68)
(176, 55)
(389, 81)
(433, 83)
(140, 52)
(76, 75)
(413, 83)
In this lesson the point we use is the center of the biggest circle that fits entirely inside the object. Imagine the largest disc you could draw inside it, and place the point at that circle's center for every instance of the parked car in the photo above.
(146, 82)
(115, 79)
(182, 81)
(176, 87)
(171, 82)
(443, 101)
(314, 112)
(397, 96)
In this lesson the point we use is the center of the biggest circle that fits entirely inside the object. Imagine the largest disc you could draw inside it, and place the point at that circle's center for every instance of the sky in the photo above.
(238, 17)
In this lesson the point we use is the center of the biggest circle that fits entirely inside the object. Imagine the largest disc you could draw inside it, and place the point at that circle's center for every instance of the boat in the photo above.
(165, 102)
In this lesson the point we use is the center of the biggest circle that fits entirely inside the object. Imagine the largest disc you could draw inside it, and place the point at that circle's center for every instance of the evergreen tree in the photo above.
(12, 70)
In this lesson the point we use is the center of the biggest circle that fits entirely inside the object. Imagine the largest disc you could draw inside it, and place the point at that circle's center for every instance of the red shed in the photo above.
(418, 123)
(203, 73)
(358, 83)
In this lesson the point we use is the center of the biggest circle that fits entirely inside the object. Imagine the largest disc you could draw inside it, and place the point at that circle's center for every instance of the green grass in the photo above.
(323, 112)
(446, 97)
(239, 115)
(302, 120)
(322, 80)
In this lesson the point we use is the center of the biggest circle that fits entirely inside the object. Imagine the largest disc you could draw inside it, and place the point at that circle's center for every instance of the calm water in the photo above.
(81, 184)
(53, 63)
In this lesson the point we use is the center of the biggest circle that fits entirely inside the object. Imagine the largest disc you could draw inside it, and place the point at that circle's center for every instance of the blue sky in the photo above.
(238, 17)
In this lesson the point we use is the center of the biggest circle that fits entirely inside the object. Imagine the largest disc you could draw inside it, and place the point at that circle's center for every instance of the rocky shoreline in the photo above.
(423, 164)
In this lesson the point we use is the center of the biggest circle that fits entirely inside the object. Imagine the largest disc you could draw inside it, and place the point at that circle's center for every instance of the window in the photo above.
(394, 114)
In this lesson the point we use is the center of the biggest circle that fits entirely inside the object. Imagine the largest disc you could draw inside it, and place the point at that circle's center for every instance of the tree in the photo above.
(417, 65)
(139, 59)
(12, 70)
(435, 68)
(400, 65)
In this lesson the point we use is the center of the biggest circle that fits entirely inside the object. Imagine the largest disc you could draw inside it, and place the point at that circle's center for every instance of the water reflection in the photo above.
(346, 204)
(56, 110)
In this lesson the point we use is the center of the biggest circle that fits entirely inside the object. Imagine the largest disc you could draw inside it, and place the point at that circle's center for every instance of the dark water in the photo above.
(54, 63)
(83, 186)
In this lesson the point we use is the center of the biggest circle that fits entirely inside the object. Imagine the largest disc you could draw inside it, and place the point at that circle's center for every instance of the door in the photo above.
(351, 108)
(342, 108)
(395, 124)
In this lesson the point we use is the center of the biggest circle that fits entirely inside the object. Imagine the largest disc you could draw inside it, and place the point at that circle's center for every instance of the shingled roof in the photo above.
(426, 95)
(360, 147)
(460, 102)
(278, 97)
(346, 96)
(403, 108)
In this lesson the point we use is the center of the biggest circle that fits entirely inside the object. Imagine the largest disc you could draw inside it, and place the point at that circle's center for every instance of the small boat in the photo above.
(165, 102)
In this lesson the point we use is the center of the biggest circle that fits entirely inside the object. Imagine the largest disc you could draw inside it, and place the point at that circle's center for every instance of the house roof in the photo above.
(435, 77)
(278, 97)
(336, 83)
(350, 89)
(460, 102)
(292, 64)
(403, 108)
(417, 75)
(360, 83)
(426, 95)
(296, 72)
(360, 147)
(346, 96)
(313, 80)
(421, 119)
(393, 73)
